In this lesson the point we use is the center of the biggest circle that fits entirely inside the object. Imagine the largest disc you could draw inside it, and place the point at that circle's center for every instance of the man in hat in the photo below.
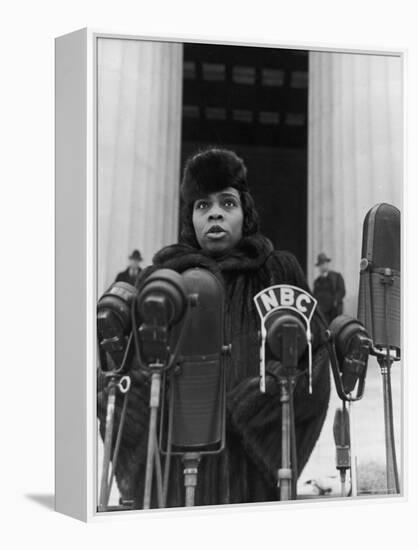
(132, 271)
(329, 289)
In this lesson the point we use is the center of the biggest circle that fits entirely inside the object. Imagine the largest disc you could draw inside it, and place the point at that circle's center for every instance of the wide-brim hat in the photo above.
(322, 259)
(136, 255)
(212, 170)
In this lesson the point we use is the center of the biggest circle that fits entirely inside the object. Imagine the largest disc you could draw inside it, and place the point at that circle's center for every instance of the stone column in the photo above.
(139, 140)
(354, 154)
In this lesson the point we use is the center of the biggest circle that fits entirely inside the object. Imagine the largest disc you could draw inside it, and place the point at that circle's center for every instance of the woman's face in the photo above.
(217, 221)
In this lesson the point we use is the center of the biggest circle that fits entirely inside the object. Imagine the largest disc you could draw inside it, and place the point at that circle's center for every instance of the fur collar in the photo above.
(249, 255)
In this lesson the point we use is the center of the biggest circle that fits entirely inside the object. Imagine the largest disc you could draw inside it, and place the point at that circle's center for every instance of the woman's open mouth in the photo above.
(216, 232)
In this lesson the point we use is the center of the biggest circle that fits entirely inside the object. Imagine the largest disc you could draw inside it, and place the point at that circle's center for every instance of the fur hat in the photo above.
(210, 171)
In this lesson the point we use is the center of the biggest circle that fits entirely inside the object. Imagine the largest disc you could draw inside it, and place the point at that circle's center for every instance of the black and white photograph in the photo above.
(209, 225)
(249, 338)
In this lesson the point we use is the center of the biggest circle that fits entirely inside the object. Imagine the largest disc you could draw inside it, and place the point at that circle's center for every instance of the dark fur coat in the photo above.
(246, 471)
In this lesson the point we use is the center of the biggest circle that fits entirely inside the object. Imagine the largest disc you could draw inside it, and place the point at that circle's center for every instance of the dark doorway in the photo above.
(254, 101)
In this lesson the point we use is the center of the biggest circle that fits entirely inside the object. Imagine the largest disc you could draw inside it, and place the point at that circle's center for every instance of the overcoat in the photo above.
(330, 291)
(246, 471)
(126, 277)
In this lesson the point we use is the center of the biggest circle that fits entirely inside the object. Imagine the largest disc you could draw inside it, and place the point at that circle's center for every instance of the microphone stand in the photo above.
(110, 416)
(287, 379)
(285, 473)
(153, 457)
(353, 457)
(341, 431)
(123, 384)
(191, 463)
(189, 456)
(385, 360)
(155, 335)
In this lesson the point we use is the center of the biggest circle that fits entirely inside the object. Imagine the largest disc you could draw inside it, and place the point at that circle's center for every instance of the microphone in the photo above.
(198, 380)
(379, 294)
(114, 319)
(349, 353)
(285, 312)
(379, 309)
(161, 303)
(286, 337)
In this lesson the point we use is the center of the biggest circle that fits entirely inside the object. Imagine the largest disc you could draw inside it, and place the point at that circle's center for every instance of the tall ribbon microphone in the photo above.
(196, 417)
(377, 329)
(379, 308)
(380, 266)
(198, 420)
(180, 341)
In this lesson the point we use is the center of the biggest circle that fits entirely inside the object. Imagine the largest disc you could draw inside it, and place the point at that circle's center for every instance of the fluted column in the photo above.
(354, 154)
(139, 140)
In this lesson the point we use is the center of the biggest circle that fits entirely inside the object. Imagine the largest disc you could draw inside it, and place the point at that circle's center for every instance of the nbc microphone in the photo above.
(285, 313)
(286, 337)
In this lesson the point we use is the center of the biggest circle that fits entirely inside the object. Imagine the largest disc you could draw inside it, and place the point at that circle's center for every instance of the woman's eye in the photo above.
(200, 205)
(229, 203)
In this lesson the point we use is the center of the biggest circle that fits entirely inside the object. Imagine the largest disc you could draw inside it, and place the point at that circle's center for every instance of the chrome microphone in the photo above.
(285, 312)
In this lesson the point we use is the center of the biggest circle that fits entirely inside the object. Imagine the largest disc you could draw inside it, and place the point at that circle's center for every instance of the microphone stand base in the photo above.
(285, 483)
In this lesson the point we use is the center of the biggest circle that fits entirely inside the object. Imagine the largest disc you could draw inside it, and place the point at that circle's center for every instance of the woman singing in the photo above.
(220, 232)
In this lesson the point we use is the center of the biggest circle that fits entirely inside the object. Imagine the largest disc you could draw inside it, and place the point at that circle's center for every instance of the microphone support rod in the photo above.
(342, 443)
(152, 433)
(342, 478)
(343, 471)
(285, 473)
(191, 463)
(110, 416)
(385, 363)
(353, 441)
